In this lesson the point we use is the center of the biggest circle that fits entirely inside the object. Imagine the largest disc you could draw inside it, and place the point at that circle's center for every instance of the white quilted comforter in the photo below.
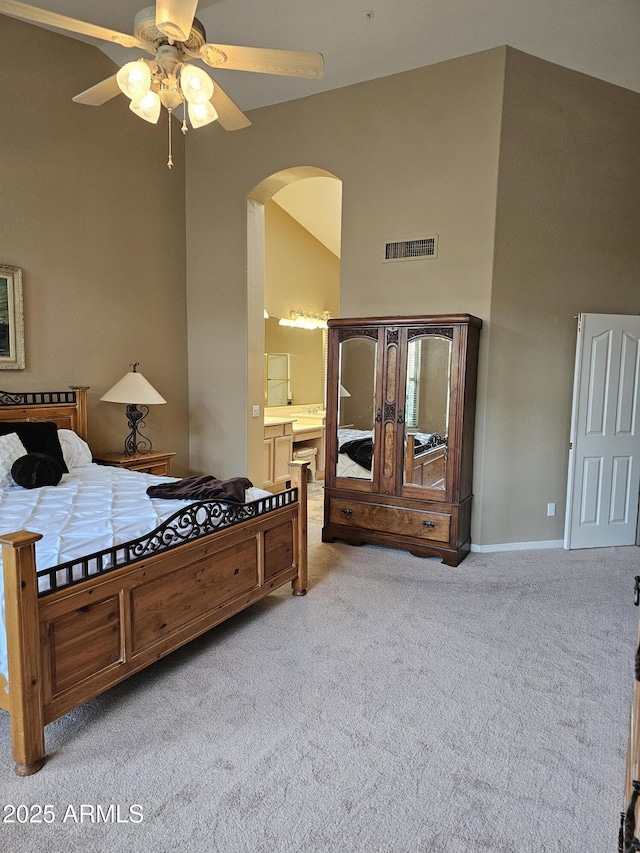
(92, 508)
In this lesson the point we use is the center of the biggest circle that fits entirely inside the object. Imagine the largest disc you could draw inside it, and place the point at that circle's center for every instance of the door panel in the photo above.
(604, 460)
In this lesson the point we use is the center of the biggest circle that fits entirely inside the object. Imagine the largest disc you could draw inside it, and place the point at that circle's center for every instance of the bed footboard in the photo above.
(426, 467)
(23, 643)
(73, 644)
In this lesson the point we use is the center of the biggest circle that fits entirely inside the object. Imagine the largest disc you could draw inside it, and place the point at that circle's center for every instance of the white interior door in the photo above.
(604, 459)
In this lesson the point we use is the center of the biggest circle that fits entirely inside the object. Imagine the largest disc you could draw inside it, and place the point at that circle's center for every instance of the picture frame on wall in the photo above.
(11, 318)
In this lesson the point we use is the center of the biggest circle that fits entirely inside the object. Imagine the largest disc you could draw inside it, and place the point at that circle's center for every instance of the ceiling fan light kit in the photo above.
(170, 32)
(134, 79)
(201, 114)
(196, 84)
(147, 107)
(168, 82)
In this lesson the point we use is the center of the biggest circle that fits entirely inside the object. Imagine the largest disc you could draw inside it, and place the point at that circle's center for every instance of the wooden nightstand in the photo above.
(155, 462)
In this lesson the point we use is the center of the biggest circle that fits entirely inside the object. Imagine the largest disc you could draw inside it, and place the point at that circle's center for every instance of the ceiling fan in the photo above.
(174, 37)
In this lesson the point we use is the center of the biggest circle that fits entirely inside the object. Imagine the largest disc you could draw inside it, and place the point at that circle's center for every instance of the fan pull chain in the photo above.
(184, 127)
(170, 160)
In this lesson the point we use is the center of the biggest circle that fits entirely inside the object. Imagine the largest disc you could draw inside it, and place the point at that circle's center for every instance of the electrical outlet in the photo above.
(255, 412)
(551, 509)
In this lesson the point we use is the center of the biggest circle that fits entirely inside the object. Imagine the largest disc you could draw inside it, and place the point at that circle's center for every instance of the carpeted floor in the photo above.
(401, 706)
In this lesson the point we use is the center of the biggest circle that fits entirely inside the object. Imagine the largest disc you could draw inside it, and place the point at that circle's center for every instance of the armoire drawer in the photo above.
(435, 526)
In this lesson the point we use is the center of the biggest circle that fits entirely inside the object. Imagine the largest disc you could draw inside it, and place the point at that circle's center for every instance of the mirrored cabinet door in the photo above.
(426, 412)
(400, 429)
(356, 406)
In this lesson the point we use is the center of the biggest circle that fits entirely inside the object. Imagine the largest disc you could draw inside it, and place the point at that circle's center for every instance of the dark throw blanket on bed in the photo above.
(359, 450)
(203, 487)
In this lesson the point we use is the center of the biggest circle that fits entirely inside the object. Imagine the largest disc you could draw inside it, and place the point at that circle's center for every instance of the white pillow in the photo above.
(75, 450)
(11, 448)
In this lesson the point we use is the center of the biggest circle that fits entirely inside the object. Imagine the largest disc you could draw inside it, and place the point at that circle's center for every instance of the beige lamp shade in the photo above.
(133, 388)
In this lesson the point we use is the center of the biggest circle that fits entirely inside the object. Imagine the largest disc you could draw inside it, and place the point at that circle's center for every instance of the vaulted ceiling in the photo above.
(375, 38)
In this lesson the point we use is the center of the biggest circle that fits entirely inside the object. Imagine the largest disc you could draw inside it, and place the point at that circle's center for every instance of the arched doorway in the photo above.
(300, 297)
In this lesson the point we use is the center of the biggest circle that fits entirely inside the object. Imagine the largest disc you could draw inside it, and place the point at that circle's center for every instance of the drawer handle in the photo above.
(347, 512)
(428, 524)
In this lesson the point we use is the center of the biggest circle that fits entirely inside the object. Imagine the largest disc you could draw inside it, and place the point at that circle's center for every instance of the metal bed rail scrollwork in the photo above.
(194, 521)
(627, 841)
(36, 398)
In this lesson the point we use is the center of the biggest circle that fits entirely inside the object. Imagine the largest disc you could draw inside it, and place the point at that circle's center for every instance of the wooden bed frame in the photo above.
(72, 644)
(424, 467)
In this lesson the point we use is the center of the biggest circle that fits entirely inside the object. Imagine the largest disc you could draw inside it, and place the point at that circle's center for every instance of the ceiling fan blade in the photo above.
(100, 93)
(14, 9)
(230, 116)
(175, 17)
(291, 63)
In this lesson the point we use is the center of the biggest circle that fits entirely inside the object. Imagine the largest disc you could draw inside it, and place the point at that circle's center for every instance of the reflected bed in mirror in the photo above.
(355, 454)
(426, 460)
(358, 356)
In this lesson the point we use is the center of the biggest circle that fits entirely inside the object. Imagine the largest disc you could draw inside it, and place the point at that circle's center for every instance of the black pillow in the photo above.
(35, 470)
(37, 437)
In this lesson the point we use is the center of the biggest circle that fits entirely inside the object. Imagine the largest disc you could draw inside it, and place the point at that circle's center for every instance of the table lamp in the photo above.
(134, 390)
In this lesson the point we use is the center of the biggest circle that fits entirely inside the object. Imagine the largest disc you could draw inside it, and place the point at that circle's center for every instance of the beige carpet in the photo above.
(400, 706)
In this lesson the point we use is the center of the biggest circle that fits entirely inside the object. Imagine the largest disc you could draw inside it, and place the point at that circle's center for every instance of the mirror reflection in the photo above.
(356, 408)
(427, 411)
(294, 365)
(277, 377)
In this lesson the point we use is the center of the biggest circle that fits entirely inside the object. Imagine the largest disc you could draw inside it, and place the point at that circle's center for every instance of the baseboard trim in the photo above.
(518, 546)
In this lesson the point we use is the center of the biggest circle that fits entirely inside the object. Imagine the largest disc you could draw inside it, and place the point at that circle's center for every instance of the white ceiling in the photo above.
(375, 38)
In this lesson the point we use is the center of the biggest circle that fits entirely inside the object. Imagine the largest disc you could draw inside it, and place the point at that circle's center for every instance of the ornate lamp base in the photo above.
(136, 442)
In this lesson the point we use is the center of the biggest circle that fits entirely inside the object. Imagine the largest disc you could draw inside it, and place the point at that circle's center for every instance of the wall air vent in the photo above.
(411, 250)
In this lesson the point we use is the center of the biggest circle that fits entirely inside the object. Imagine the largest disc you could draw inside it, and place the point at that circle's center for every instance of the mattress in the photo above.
(347, 467)
(92, 508)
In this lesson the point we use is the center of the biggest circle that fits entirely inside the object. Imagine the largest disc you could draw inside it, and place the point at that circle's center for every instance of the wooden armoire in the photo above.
(401, 395)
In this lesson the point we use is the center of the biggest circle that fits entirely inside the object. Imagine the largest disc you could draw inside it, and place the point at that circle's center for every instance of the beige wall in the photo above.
(494, 151)
(299, 273)
(566, 242)
(497, 151)
(95, 219)
(417, 154)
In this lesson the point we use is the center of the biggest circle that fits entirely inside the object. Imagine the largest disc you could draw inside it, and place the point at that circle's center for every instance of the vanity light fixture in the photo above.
(300, 319)
(133, 389)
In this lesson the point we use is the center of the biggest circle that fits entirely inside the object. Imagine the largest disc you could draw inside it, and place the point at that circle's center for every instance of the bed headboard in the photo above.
(67, 409)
